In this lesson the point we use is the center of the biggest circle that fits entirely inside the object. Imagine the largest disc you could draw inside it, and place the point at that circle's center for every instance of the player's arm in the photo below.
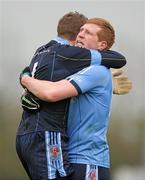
(49, 91)
(78, 83)
(110, 59)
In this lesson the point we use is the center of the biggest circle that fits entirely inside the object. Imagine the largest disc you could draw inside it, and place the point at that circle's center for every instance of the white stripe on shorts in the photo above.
(49, 165)
(91, 172)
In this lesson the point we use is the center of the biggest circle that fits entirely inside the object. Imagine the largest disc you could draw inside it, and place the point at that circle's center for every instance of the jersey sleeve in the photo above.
(75, 54)
(88, 78)
(109, 58)
(112, 59)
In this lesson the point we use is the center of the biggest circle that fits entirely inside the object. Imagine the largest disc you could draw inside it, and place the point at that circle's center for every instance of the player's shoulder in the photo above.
(99, 69)
(102, 68)
(96, 72)
(47, 45)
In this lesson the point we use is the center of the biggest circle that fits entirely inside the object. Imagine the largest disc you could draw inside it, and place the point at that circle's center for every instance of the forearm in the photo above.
(112, 59)
(109, 58)
(49, 91)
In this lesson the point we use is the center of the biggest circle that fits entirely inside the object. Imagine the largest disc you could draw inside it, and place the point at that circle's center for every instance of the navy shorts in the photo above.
(88, 172)
(44, 155)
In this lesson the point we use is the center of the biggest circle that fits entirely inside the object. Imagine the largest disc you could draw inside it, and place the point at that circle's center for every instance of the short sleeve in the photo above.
(89, 78)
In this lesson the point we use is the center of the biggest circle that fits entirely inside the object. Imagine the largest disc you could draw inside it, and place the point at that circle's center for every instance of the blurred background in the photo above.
(26, 25)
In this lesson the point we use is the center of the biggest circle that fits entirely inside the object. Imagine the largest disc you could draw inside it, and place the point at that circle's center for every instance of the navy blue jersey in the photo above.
(55, 61)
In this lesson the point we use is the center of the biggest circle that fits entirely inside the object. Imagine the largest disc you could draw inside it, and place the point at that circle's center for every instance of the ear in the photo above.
(102, 45)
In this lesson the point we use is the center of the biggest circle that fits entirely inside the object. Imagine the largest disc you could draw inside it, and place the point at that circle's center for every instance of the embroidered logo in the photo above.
(55, 152)
(92, 174)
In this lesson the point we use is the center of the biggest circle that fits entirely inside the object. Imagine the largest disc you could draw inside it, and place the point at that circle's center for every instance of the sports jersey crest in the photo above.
(92, 174)
(54, 152)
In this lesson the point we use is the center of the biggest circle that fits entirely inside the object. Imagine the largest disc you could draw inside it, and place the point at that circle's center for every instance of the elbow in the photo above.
(124, 62)
(49, 97)
(120, 63)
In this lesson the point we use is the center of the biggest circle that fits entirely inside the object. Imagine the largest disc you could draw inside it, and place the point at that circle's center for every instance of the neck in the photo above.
(72, 42)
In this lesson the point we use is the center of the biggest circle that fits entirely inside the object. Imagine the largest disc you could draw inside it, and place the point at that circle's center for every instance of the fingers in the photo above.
(116, 72)
(123, 80)
(122, 85)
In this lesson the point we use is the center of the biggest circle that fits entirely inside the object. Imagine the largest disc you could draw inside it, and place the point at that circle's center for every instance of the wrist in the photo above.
(25, 78)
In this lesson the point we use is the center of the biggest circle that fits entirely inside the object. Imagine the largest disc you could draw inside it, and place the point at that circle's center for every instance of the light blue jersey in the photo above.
(89, 116)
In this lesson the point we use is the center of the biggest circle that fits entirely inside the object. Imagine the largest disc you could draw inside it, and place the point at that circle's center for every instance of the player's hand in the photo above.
(30, 102)
(121, 83)
(26, 72)
(116, 72)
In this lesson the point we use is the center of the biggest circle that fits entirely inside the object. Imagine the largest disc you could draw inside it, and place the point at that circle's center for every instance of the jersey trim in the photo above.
(76, 86)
